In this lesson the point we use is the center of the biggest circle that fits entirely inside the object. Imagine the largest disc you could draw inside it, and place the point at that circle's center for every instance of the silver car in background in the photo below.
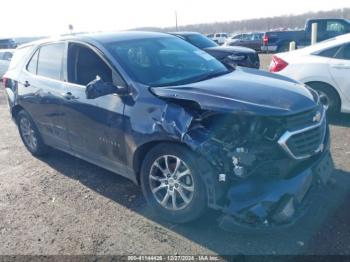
(5, 58)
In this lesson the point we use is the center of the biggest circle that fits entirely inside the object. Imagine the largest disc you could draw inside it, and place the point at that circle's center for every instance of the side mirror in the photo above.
(98, 88)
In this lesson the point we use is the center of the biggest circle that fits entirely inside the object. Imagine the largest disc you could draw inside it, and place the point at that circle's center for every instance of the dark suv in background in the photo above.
(240, 56)
(170, 117)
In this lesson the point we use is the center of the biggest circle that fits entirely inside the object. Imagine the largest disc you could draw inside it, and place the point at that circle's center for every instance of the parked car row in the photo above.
(279, 40)
(251, 40)
(192, 132)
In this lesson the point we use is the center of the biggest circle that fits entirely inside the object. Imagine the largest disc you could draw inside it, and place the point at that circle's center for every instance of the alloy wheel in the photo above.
(171, 182)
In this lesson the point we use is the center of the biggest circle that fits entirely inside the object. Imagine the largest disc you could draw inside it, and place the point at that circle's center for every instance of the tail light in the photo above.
(265, 39)
(277, 64)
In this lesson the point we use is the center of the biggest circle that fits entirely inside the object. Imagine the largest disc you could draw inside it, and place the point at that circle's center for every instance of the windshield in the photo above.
(200, 41)
(165, 61)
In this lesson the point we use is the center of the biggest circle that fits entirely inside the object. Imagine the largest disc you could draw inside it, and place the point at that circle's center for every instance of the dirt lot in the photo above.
(62, 205)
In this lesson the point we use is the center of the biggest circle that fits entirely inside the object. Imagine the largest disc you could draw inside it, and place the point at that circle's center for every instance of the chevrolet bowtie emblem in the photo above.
(317, 117)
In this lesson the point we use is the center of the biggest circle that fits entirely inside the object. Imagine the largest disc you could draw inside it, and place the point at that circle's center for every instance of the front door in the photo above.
(95, 125)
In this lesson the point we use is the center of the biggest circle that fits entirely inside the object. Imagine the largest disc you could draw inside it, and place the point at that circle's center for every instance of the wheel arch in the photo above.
(215, 191)
(141, 151)
(15, 110)
(315, 83)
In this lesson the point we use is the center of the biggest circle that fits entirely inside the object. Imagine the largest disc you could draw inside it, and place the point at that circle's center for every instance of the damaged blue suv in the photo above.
(159, 111)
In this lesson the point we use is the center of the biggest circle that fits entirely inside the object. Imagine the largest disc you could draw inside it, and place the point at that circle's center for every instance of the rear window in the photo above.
(50, 60)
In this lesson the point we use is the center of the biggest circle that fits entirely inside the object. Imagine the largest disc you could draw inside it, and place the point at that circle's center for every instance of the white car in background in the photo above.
(5, 58)
(324, 67)
(219, 38)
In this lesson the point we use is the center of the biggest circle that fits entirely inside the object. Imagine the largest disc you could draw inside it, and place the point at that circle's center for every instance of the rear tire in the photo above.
(30, 134)
(170, 172)
(328, 96)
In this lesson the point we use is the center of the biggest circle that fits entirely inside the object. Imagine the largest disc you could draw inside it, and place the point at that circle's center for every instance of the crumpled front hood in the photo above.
(247, 91)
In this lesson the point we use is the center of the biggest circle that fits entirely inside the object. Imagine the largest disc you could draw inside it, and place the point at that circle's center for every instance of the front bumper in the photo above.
(269, 200)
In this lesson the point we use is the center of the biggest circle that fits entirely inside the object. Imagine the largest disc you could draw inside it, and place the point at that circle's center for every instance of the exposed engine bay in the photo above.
(263, 184)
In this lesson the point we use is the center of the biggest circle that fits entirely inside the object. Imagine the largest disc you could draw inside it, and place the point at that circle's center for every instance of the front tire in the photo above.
(171, 183)
(30, 134)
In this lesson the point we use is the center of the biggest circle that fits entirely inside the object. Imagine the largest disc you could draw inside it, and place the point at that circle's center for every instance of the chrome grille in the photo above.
(303, 143)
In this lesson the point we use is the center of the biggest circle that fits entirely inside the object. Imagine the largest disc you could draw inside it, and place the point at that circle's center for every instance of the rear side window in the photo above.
(33, 63)
(50, 60)
(330, 52)
(344, 53)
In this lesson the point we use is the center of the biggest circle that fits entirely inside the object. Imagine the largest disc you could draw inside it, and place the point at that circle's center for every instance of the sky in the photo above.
(52, 17)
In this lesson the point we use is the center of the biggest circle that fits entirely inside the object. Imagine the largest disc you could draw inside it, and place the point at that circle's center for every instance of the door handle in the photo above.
(26, 84)
(69, 96)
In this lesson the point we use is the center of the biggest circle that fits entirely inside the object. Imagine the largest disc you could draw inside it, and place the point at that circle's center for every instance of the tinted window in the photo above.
(50, 60)
(164, 61)
(84, 65)
(330, 52)
(33, 63)
(344, 53)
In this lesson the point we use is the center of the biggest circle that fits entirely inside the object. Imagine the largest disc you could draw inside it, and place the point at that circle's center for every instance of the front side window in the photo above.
(50, 60)
(164, 61)
(84, 65)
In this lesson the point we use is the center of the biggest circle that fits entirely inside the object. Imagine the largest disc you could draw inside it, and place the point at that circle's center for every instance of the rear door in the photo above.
(42, 92)
(96, 126)
(340, 69)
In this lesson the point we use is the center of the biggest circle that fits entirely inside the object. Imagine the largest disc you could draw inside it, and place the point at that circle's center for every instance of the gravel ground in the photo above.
(62, 205)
